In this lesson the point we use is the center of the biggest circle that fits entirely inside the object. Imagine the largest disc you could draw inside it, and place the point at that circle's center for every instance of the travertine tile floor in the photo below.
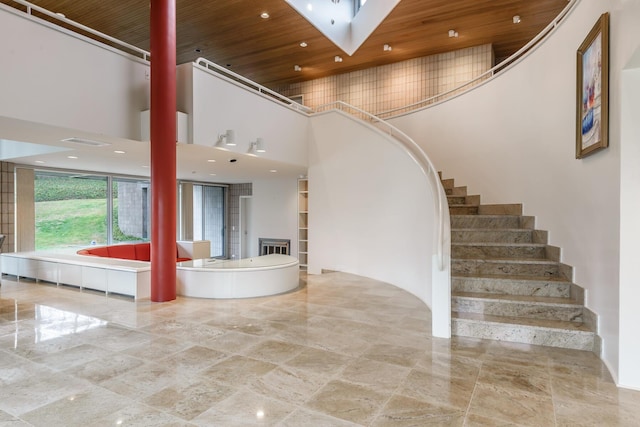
(342, 351)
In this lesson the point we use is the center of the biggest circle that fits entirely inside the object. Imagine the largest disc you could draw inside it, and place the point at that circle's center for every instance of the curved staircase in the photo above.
(507, 283)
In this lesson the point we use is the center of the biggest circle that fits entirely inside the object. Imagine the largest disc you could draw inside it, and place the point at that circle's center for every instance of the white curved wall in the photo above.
(371, 211)
(512, 140)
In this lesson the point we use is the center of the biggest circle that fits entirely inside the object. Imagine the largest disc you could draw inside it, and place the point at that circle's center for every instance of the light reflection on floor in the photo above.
(342, 351)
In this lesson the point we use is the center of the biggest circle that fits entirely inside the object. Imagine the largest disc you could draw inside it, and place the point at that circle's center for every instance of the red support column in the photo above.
(163, 150)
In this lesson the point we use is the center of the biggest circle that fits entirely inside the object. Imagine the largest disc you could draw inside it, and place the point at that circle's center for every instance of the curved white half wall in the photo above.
(371, 208)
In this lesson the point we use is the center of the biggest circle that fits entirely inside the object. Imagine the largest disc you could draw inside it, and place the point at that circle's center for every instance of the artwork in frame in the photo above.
(592, 118)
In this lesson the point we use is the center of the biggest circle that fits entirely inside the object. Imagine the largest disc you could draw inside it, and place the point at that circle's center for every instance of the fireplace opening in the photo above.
(274, 246)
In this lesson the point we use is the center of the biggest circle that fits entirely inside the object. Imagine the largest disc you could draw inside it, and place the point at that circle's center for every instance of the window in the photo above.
(77, 210)
(209, 219)
(70, 210)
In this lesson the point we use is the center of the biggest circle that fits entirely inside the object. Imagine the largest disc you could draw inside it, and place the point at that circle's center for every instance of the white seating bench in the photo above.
(110, 275)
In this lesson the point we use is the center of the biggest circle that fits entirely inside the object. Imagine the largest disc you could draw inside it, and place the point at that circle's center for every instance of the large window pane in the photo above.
(71, 211)
(209, 217)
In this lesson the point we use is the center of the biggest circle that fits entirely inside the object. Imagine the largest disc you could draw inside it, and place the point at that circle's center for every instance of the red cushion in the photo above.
(138, 251)
(99, 251)
(143, 251)
(122, 251)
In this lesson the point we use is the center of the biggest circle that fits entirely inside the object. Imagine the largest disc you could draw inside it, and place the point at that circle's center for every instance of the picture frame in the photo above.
(592, 90)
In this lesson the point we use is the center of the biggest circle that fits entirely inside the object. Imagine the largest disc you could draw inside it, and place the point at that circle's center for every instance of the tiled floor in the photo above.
(342, 351)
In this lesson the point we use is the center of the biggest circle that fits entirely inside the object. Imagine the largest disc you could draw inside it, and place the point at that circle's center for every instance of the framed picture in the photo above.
(592, 118)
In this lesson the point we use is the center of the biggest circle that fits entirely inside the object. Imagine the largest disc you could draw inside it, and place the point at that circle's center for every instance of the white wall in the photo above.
(219, 105)
(513, 140)
(371, 211)
(274, 212)
(40, 64)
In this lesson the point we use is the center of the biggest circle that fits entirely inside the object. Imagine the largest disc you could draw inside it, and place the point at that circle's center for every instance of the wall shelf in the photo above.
(303, 222)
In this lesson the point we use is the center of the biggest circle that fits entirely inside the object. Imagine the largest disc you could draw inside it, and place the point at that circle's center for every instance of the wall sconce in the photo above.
(257, 146)
(228, 138)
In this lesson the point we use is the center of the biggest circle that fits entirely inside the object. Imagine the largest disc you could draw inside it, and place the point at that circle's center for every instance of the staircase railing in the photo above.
(119, 44)
(422, 160)
(487, 75)
(250, 84)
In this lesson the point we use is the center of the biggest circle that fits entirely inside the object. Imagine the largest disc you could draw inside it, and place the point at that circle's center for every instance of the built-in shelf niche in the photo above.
(303, 222)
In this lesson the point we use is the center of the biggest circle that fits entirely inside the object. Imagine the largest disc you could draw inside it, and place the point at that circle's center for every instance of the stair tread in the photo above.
(534, 300)
(512, 277)
(538, 261)
(494, 216)
(577, 327)
(502, 259)
(493, 230)
(538, 245)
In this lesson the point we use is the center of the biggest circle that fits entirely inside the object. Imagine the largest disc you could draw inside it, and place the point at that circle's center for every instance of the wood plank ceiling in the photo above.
(232, 33)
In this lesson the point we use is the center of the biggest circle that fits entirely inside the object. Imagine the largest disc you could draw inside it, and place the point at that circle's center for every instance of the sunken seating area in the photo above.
(133, 251)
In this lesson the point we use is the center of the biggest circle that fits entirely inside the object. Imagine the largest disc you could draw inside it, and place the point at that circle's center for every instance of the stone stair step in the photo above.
(512, 235)
(553, 333)
(498, 250)
(522, 306)
(501, 209)
(463, 209)
(456, 200)
(458, 191)
(512, 267)
(447, 184)
(500, 284)
(507, 282)
(492, 221)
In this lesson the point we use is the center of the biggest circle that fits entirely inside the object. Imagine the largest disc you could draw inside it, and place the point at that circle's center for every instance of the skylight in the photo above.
(347, 23)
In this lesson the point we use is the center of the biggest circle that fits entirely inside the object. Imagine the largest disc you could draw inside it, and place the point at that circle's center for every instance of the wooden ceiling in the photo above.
(231, 32)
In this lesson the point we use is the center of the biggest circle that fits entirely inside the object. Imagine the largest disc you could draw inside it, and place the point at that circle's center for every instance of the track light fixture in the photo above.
(257, 146)
(228, 138)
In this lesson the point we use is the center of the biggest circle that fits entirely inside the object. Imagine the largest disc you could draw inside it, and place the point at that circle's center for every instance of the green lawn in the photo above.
(70, 223)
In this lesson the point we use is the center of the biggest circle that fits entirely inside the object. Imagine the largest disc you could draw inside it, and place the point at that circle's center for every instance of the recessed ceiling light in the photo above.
(516, 19)
(303, 44)
(212, 174)
(119, 152)
(273, 170)
(72, 157)
(387, 48)
(40, 161)
(297, 68)
(145, 166)
(211, 160)
(309, 7)
(197, 50)
(264, 15)
(337, 58)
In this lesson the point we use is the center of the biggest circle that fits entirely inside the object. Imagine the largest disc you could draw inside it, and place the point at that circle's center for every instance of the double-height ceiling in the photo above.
(239, 35)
